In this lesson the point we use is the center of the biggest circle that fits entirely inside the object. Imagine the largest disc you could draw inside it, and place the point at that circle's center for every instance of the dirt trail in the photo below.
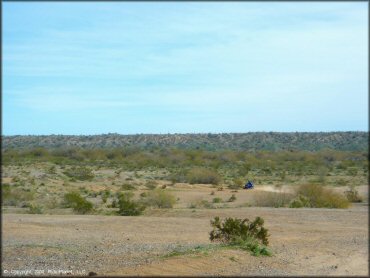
(303, 241)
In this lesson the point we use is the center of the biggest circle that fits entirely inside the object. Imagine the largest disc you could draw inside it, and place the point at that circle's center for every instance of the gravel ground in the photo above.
(303, 242)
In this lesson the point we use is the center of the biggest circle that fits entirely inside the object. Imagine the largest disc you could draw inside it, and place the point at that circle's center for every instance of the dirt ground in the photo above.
(303, 242)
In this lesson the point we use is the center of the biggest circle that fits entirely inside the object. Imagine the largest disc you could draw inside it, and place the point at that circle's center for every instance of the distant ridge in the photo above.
(309, 141)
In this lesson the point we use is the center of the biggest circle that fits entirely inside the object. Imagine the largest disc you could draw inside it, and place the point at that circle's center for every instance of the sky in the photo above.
(184, 67)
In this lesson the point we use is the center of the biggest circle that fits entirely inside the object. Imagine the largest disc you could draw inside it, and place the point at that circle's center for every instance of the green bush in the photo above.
(320, 197)
(129, 207)
(79, 204)
(245, 234)
(217, 200)
(203, 175)
(79, 173)
(160, 198)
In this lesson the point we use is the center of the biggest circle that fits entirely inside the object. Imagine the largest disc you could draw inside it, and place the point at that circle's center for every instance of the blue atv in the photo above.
(249, 185)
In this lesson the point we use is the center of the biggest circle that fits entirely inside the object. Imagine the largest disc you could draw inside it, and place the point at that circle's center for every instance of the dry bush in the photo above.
(352, 195)
(271, 199)
(320, 197)
(160, 198)
(201, 204)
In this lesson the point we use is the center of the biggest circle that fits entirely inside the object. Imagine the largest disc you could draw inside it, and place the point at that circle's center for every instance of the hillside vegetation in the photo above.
(253, 141)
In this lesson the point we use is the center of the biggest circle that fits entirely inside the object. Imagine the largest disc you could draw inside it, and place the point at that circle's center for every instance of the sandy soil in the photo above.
(303, 242)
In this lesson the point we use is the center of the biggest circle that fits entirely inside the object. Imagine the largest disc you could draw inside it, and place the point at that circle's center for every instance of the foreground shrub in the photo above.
(203, 175)
(79, 173)
(320, 197)
(245, 234)
(129, 207)
(233, 229)
(79, 204)
(160, 198)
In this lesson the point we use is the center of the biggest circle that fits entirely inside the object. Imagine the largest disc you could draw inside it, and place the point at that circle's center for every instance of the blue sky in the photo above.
(156, 67)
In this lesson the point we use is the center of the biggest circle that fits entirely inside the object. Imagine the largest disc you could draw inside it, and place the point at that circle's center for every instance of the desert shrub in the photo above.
(52, 170)
(217, 200)
(320, 197)
(271, 199)
(13, 196)
(249, 235)
(300, 202)
(113, 204)
(352, 195)
(143, 194)
(203, 175)
(128, 207)
(127, 186)
(160, 198)
(151, 185)
(236, 184)
(79, 173)
(79, 204)
(35, 209)
(232, 198)
(201, 204)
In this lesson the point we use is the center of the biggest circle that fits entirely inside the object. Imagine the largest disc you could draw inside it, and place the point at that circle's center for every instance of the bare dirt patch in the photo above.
(303, 242)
